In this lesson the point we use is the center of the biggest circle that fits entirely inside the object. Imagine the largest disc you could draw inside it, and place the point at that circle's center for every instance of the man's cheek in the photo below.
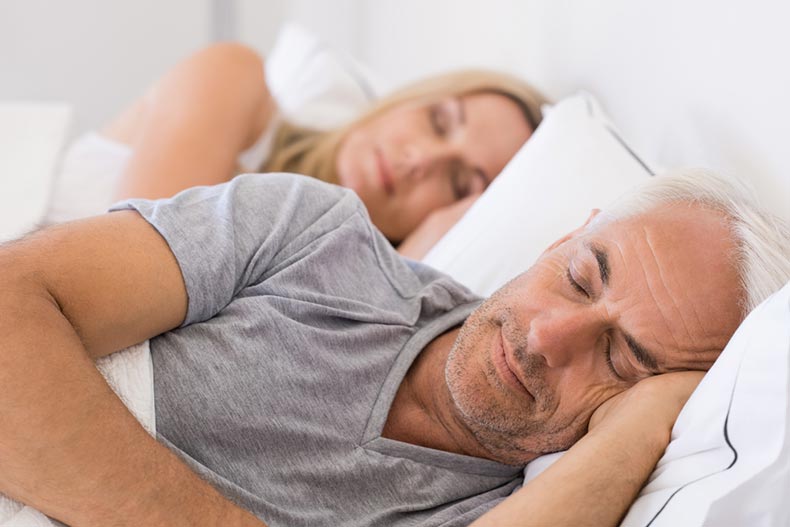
(580, 408)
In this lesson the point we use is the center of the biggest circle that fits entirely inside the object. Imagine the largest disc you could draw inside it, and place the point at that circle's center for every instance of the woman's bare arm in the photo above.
(595, 482)
(420, 241)
(68, 446)
(193, 123)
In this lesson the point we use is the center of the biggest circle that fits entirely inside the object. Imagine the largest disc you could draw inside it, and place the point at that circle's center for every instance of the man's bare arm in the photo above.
(595, 482)
(68, 446)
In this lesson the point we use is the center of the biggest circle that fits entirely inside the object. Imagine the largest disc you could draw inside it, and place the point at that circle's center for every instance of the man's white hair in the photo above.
(762, 238)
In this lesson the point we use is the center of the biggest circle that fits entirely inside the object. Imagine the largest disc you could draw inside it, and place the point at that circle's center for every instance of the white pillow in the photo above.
(575, 161)
(729, 459)
(315, 85)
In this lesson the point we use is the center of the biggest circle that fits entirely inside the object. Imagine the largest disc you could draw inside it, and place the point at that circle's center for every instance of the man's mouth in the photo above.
(385, 176)
(504, 363)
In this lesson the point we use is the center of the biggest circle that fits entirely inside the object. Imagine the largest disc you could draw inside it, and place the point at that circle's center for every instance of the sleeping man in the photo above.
(306, 375)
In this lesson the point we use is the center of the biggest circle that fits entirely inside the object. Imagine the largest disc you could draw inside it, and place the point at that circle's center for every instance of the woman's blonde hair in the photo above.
(312, 152)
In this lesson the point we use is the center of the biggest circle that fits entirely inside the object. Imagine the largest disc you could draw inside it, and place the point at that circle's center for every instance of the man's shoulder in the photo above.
(283, 184)
(294, 199)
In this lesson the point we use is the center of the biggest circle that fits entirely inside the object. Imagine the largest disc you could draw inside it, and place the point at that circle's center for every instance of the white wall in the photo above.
(408, 39)
(337, 22)
(688, 81)
(700, 82)
(98, 55)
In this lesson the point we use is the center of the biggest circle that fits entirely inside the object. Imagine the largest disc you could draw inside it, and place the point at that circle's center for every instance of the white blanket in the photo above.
(130, 374)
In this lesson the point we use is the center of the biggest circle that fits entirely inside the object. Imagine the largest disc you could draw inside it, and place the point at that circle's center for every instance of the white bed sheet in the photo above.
(31, 137)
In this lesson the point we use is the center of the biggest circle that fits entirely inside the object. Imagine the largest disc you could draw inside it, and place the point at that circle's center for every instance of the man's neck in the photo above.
(423, 412)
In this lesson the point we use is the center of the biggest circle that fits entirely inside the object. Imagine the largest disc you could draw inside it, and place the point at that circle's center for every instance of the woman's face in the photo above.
(418, 157)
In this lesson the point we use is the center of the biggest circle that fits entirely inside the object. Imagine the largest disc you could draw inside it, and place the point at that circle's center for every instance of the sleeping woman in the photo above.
(417, 159)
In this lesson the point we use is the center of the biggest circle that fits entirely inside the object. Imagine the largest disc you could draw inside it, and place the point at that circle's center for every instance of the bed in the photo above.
(31, 138)
(638, 91)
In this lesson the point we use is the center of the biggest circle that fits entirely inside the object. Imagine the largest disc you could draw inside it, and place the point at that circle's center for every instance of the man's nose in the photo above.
(562, 336)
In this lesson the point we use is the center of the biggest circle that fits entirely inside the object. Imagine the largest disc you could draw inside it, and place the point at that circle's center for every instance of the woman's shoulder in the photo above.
(222, 86)
(229, 61)
(230, 53)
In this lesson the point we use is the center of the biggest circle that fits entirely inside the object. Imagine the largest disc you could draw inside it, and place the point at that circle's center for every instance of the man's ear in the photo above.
(573, 233)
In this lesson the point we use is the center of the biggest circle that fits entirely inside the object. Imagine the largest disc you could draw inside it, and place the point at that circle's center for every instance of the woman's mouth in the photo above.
(384, 174)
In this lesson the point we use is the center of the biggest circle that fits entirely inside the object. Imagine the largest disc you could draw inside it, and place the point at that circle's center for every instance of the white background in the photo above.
(689, 82)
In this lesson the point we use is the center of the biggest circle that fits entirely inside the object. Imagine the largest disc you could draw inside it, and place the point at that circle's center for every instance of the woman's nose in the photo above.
(561, 337)
(423, 159)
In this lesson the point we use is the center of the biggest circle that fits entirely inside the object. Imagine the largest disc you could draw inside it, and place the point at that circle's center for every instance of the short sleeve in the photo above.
(226, 237)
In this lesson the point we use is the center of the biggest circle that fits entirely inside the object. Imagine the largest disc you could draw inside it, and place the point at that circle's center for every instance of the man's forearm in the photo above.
(596, 481)
(592, 484)
(70, 448)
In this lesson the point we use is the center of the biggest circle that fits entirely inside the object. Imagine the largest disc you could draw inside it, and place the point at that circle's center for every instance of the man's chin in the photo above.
(514, 441)
(518, 451)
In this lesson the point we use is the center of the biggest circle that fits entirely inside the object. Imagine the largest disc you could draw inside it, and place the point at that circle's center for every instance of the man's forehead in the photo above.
(673, 216)
(672, 264)
(695, 234)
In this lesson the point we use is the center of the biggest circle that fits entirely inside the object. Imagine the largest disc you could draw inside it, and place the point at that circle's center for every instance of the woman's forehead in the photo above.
(494, 130)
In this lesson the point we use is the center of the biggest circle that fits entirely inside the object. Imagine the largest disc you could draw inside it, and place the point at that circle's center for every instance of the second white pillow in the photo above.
(574, 162)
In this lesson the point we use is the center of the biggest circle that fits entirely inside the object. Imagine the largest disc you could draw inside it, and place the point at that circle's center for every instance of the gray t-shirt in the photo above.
(302, 322)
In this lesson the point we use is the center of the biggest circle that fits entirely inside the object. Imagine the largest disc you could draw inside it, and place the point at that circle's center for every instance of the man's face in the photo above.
(600, 310)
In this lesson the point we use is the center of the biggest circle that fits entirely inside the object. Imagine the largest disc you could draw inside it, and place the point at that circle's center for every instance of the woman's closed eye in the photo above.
(439, 119)
(446, 116)
(465, 181)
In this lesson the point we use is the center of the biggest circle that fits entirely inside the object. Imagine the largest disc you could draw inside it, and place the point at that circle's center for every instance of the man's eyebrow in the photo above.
(644, 357)
(602, 257)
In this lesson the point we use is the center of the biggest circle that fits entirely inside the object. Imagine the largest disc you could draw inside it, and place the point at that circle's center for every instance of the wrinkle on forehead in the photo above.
(662, 307)
(640, 266)
(696, 316)
(665, 283)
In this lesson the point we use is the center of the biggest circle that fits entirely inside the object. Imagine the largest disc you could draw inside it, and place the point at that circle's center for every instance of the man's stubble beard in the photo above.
(513, 435)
